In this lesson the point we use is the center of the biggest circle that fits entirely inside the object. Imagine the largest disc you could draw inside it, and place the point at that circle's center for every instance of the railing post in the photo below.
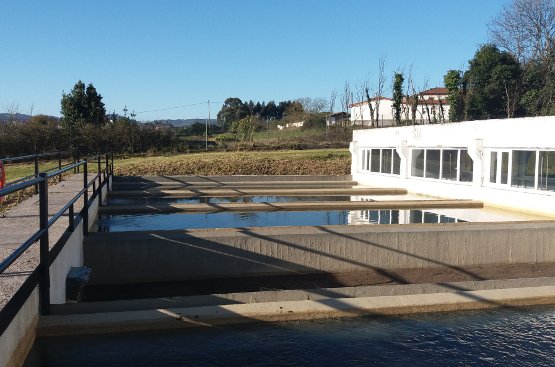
(71, 219)
(99, 181)
(85, 200)
(44, 280)
(60, 166)
(36, 172)
(107, 170)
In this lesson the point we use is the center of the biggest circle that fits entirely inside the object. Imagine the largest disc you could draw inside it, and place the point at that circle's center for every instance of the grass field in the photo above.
(285, 162)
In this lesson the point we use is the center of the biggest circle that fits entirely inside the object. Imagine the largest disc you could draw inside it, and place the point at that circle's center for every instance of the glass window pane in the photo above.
(363, 160)
(524, 168)
(546, 176)
(432, 163)
(415, 216)
(396, 163)
(375, 160)
(493, 167)
(386, 160)
(449, 164)
(466, 166)
(417, 167)
(504, 167)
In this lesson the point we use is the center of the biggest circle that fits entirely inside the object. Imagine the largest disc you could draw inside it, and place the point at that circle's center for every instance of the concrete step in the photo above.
(153, 186)
(438, 300)
(296, 206)
(258, 192)
(281, 295)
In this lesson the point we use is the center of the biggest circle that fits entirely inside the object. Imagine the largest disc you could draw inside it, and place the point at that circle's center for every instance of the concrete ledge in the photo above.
(291, 310)
(158, 256)
(298, 206)
(255, 192)
(315, 294)
(235, 178)
(152, 186)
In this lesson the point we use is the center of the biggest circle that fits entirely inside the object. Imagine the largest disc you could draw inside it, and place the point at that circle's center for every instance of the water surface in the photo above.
(501, 337)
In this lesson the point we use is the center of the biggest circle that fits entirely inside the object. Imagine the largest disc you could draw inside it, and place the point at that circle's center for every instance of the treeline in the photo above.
(44, 134)
(515, 74)
(262, 115)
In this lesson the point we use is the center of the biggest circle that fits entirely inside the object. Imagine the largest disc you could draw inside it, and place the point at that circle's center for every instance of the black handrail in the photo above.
(42, 233)
(30, 157)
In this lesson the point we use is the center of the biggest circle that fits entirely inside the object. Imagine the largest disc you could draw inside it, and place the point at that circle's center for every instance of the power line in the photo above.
(176, 107)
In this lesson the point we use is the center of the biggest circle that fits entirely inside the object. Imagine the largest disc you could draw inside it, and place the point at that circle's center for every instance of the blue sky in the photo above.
(152, 55)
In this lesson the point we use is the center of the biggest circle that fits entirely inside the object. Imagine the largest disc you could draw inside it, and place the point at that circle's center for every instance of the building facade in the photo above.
(431, 107)
(504, 163)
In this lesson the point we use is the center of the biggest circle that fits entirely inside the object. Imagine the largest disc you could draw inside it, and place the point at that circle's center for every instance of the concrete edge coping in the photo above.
(363, 229)
(254, 192)
(294, 206)
(314, 294)
(233, 178)
(208, 316)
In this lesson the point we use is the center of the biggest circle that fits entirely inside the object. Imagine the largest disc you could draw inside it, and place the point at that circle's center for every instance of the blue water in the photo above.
(220, 200)
(118, 223)
(501, 337)
(135, 222)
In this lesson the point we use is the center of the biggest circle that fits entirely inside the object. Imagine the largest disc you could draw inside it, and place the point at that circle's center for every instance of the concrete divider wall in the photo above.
(167, 256)
(71, 255)
(16, 341)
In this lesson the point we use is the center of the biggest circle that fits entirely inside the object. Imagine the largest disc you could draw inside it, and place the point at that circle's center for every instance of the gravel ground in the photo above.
(22, 221)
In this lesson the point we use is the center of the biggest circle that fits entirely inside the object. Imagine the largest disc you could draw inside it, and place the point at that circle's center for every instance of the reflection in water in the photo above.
(399, 217)
(119, 223)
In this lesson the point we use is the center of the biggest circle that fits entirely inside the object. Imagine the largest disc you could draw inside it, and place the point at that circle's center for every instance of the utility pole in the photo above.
(206, 127)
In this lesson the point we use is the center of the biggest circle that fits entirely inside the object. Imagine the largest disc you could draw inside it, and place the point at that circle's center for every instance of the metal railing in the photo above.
(36, 158)
(41, 275)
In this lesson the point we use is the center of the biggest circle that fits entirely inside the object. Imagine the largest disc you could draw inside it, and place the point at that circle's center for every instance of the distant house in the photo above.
(431, 107)
(291, 125)
(337, 118)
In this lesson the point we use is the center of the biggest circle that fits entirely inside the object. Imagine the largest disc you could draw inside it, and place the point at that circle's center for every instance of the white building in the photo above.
(432, 107)
(504, 163)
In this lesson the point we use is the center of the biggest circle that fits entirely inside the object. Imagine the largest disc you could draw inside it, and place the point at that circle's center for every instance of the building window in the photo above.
(375, 160)
(504, 168)
(385, 160)
(417, 166)
(523, 169)
(433, 162)
(449, 165)
(493, 167)
(466, 166)
(546, 174)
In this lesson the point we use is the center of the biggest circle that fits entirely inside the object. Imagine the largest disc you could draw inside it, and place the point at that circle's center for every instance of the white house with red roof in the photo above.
(431, 107)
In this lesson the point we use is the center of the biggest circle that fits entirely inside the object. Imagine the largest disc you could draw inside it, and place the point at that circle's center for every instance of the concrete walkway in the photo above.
(22, 221)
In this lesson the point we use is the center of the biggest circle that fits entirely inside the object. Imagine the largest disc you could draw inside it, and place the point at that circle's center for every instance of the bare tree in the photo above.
(333, 97)
(526, 28)
(12, 109)
(347, 97)
(380, 86)
(426, 109)
(407, 105)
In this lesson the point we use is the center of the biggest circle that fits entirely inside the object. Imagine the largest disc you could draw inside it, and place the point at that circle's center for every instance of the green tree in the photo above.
(398, 80)
(453, 81)
(243, 129)
(493, 81)
(233, 110)
(82, 105)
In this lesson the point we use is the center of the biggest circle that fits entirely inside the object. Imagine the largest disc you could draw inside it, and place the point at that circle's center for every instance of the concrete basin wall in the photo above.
(119, 258)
